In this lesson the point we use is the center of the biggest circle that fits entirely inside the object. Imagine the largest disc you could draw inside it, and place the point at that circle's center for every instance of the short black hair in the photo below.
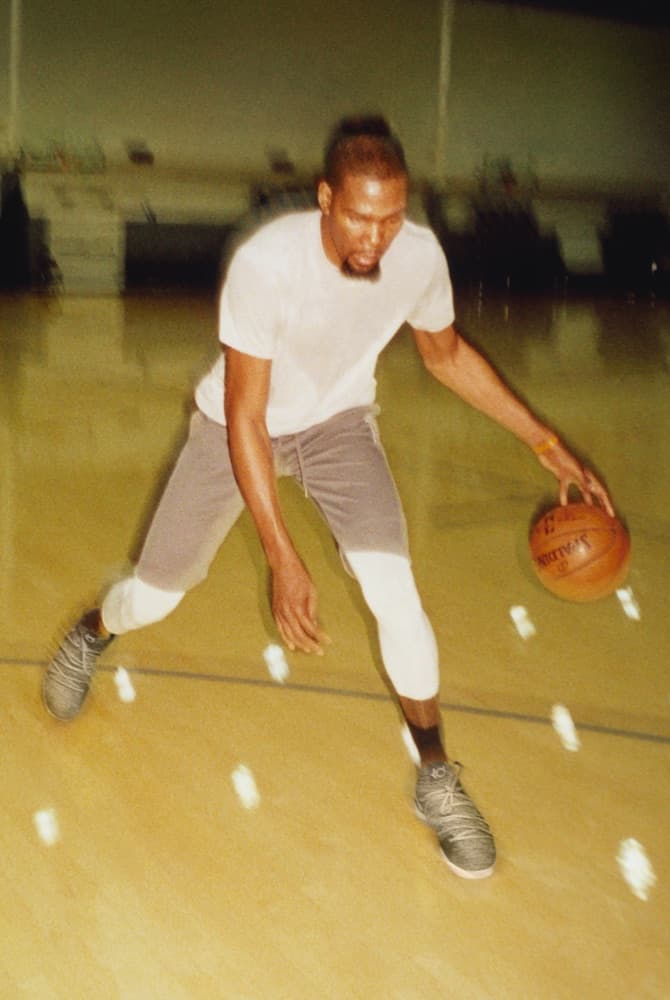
(364, 144)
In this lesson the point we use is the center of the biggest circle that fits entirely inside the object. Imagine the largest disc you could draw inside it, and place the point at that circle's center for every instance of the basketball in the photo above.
(579, 552)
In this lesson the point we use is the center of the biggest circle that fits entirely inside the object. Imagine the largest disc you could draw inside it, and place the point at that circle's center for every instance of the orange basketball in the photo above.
(579, 552)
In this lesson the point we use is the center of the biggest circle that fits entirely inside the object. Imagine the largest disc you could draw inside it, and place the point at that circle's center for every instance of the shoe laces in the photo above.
(451, 811)
(74, 663)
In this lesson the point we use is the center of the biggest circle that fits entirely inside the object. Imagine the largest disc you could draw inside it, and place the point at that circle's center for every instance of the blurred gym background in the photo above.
(137, 139)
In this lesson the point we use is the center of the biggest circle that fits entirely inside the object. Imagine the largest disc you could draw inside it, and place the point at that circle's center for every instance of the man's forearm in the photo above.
(253, 465)
(471, 377)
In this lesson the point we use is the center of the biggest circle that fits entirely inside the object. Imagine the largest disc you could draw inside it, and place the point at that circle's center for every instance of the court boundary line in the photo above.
(455, 707)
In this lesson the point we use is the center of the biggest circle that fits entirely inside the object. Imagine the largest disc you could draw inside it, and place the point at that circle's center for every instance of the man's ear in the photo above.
(324, 194)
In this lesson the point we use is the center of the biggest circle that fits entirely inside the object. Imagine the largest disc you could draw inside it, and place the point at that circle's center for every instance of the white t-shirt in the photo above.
(284, 300)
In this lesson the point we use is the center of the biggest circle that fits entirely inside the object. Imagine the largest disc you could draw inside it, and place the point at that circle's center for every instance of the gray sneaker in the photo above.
(69, 674)
(465, 838)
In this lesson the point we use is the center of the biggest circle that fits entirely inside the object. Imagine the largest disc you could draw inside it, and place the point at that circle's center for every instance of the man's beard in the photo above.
(374, 274)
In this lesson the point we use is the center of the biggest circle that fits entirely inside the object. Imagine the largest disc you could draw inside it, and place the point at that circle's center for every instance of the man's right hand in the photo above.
(294, 606)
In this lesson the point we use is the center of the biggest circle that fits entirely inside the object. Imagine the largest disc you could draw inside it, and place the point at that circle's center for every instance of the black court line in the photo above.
(263, 682)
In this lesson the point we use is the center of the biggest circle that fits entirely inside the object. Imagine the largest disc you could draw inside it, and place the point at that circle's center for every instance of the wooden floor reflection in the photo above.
(160, 884)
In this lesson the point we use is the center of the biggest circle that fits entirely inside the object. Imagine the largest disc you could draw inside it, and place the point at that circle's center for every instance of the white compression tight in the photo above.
(131, 604)
(406, 637)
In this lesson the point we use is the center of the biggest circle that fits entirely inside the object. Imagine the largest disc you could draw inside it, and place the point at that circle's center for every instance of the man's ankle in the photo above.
(92, 621)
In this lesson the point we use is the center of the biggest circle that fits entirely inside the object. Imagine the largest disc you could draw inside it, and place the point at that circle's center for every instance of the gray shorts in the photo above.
(340, 464)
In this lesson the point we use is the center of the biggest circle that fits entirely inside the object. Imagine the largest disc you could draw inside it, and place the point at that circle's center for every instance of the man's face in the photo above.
(360, 219)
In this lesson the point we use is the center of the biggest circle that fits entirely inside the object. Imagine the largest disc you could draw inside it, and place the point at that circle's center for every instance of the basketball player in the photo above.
(309, 302)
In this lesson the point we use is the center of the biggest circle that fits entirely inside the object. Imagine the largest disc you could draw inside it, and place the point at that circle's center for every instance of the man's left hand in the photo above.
(569, 472)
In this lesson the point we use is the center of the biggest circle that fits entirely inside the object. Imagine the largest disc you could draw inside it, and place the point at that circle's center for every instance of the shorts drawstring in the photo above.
(301, 469)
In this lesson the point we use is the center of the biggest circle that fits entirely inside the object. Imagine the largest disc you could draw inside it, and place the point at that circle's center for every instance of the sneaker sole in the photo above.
(461, 872)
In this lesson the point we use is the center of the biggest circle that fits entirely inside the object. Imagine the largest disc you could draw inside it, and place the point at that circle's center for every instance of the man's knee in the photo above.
(131, 604)
(387, 582)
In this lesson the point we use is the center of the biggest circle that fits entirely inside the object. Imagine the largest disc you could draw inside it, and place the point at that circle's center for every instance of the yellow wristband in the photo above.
(547, 445)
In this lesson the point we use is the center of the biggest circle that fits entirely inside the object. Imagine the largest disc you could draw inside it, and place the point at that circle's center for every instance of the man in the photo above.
(309, 302)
